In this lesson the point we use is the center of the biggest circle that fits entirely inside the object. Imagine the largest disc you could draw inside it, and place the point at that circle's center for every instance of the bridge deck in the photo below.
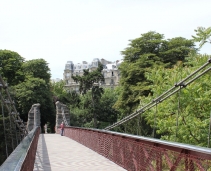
(55, 152)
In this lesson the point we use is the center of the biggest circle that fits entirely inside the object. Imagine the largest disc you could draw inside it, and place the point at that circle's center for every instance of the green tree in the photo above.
(191, 108)
(37, 68)
(90, 81)
(31, 91)
(11, 67)
(36, 89)
(177, 49)
(81, 112)
(29, 83)
(69, 98)
(148, 43)
(60, 93)
(202, 35)
(108, 114)
(84, 111)
(142, 55)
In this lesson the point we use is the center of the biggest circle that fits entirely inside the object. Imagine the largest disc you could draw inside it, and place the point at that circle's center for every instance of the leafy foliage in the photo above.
(31, 91)
(61, 94)
(202, 35)
(148, 43)
(108, 113)
(142, 55)
(11, 67)
(191, 107)
(89, 81)
(177, 49)
(29, 83)
(37, 68)
(36, 89)
(81, 114)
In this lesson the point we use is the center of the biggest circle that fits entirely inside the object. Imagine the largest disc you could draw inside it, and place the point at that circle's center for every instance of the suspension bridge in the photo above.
(94, 149)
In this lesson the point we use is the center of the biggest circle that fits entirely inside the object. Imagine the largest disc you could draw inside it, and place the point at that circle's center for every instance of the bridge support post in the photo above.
(62, 114)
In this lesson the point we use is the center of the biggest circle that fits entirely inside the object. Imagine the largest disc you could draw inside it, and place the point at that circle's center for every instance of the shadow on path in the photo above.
(42, 162)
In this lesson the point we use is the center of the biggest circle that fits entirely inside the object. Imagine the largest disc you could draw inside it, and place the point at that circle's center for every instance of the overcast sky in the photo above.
(80, 30)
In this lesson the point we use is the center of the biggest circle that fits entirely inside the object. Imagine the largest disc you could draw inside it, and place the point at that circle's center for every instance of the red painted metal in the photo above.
(28, 163)
(134, 154)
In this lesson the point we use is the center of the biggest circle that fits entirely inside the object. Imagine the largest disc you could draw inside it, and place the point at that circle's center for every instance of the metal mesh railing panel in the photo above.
(28, 163)
(135, 154)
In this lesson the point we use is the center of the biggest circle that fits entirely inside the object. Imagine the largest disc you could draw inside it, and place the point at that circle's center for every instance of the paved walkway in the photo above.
(59, 153)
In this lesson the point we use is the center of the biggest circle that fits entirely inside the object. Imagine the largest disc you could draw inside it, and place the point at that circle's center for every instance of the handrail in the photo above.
(141, 153)
(17, 158)
(152, 140)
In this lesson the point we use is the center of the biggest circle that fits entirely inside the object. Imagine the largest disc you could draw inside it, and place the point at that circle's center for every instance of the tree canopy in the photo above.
(37, 68)
(202, 35)
(11, 67)
(143, 54)
(90, 81)
(32, 91)
(29, 83)
(190, 107)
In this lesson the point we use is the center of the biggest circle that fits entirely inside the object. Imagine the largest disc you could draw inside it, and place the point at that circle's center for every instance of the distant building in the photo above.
(110, 72)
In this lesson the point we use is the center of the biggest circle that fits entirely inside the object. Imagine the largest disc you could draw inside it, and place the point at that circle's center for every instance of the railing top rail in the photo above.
(153, 141)
(16, 158)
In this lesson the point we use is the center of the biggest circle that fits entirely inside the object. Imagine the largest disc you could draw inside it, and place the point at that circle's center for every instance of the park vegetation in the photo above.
(29, 83)
(151, 65)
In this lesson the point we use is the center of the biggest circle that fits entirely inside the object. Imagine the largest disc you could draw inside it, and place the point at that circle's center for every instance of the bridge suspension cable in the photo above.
(5, 138)
(64, 118)
(15, 122)
(177, 87)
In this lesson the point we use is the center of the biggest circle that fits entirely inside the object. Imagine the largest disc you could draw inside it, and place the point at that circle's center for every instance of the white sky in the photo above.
(80, 30)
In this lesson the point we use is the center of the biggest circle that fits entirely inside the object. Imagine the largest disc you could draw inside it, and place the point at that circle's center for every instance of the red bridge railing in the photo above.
(136, 153)
(28, 163)
(23, 157)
